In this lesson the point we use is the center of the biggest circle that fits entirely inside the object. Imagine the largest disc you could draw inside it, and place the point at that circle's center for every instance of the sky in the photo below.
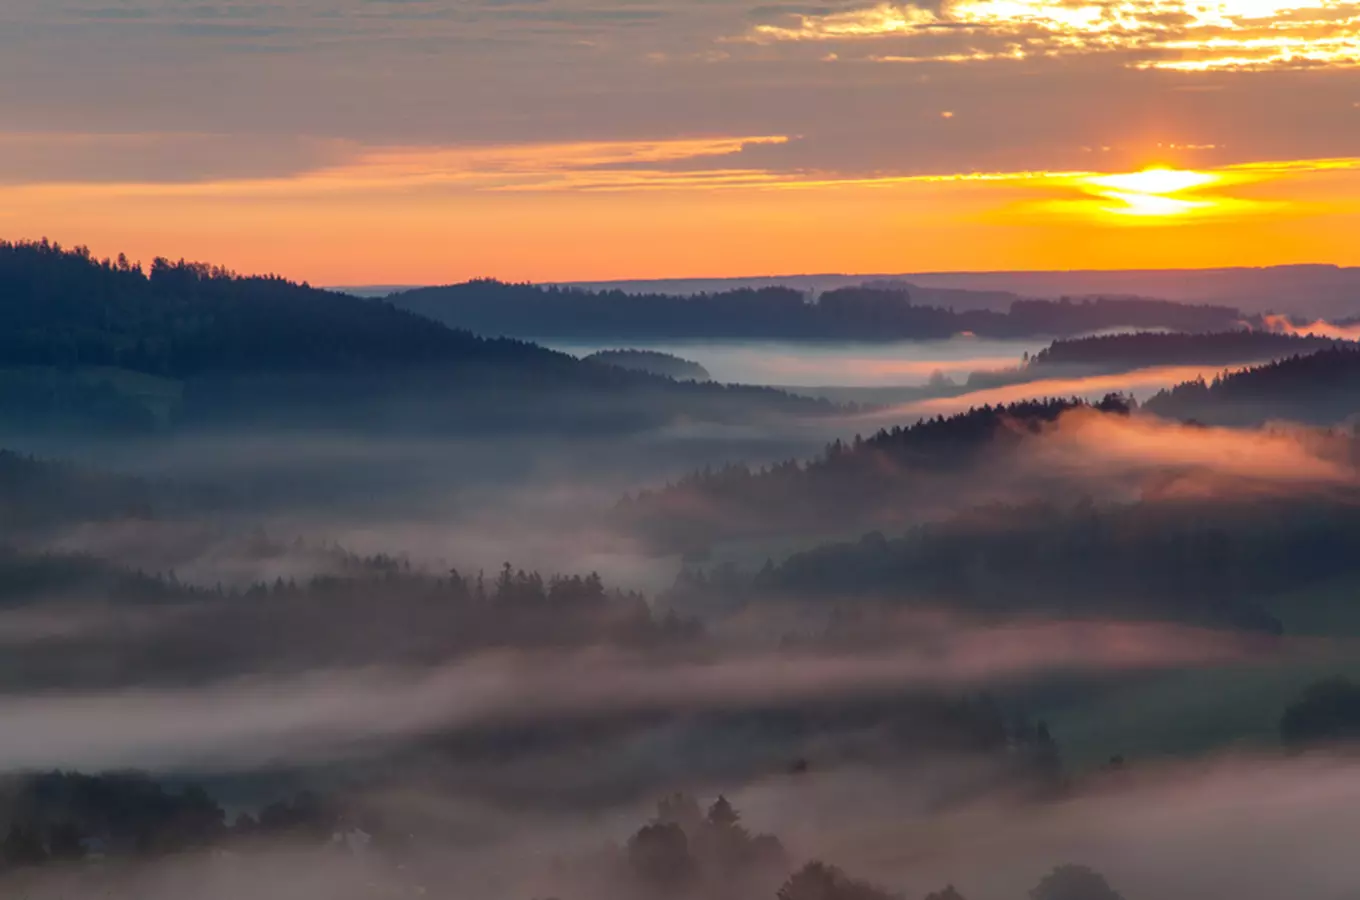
(427, 141)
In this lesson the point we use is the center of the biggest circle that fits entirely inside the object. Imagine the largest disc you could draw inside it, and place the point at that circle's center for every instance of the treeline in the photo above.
(1321, 388)
(687, 852)
(684, 850)
(65, 309)
(1127, 351)
(890, 472)
(1219, 564)
(852, 313)
(374, 610)
(65, 818)
(231, 350)
(68, 819)
(819, 881)
(62, 817)
(1326, 713)
(36, 494)
(1158, 348)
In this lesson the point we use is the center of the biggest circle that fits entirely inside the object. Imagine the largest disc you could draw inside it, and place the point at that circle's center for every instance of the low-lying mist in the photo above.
(301, 611)
(314, 716)
(1246, 827)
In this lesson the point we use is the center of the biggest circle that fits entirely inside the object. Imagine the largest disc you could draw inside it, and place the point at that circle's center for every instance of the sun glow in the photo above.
(1158, 181)
(1153, 193)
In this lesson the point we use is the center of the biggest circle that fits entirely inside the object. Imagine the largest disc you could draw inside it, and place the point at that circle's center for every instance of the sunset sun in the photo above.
(1156, 181)
(1152, 194)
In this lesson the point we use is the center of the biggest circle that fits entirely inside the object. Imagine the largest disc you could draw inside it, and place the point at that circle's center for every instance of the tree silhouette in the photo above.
(1328, 711)
(721, 813)
(23, 846)
(65, 842)
(819, 881)
(659, 855)
(1072, 882)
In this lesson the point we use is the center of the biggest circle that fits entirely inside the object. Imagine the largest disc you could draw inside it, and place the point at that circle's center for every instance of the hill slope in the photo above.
(263, 349)
(1321, 388)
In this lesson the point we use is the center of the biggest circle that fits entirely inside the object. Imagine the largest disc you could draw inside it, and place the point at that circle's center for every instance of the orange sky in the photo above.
(431, 141)
(560, 214)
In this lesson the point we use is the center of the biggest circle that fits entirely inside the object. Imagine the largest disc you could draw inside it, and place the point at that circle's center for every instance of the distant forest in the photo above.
(1215, 565)
(777, 313)
(1143, 349)
(898, 472)
(1127, 351)
(409, 616)
(103, 345)
(891, 473)
(684, 850)
(1321, 388)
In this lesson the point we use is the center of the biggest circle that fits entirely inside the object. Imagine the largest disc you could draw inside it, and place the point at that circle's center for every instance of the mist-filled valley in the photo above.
(762, 595)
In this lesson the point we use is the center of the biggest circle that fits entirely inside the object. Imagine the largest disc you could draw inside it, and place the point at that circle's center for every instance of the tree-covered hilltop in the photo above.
(1160, 348)
(1128, 351)
(891, 474)
(852, 313)
(1227, 562)
(66, 309)
(1322, 388)
(104, 345)
(653, 361)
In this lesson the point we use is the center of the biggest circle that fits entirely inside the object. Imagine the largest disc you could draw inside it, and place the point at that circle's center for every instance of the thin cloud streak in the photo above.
(700, 163)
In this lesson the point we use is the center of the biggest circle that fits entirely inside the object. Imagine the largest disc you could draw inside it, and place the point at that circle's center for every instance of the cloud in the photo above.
(344, 167)
(1180, 35)
(49, 169)
(95, 158)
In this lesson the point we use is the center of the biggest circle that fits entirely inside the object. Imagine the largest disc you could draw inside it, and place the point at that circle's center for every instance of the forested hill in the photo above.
(64, 308)
(86, 343)
(1128, 351)
(1321, 388)
(1208, 563)
(855, 313)
(1133, 350)
(888, 478)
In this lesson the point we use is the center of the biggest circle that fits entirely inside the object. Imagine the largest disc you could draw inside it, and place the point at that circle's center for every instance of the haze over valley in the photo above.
(618, 450)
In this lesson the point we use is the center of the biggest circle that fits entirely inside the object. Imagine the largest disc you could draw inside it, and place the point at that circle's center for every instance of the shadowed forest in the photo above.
(307, 595)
